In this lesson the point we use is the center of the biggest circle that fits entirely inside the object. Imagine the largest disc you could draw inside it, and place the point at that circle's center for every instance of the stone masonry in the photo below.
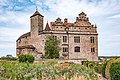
(78, 40)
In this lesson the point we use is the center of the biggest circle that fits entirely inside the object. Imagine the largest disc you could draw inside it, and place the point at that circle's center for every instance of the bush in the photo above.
(93, 65)
(22, 58)
(26, 58)
(30, 58)
(115, 71)
(103, 68)
(109, 63)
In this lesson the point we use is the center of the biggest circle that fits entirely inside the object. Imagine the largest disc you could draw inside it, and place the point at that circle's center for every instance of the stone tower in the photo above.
(36, 23)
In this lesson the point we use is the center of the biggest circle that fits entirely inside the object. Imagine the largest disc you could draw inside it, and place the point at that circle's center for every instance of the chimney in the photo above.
(65, 20)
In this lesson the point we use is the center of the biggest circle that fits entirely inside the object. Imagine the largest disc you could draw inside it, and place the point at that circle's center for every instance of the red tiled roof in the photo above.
(66, 24)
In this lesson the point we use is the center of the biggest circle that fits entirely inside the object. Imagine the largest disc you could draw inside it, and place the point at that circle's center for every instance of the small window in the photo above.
(92, 49)
(65, 49)
(64, 38)
(55, 37)
(77, 39)
(92, 39)
(77, 49)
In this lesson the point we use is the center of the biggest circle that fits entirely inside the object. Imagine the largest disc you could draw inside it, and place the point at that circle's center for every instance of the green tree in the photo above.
(52, 47)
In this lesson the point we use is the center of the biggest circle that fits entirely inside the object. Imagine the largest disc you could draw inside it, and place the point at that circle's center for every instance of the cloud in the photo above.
(15, 19)
(115, 16)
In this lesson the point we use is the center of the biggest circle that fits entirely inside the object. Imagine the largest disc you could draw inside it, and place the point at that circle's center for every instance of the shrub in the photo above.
(103, 68)
(22, 58)
(115, 71)
(109, 63)
(30, 58)
(26, 58)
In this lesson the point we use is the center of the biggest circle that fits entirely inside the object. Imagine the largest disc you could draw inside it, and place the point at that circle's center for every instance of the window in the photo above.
(77, 39)
(64, 38)
(55, 37)
(77, 49)
(92, 39)
(65, 49)
(92, 49)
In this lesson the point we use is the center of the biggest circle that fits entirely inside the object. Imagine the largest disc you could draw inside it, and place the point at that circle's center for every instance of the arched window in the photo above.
(77, 49)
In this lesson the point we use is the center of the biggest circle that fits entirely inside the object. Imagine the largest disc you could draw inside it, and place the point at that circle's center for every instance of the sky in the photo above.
(15, 20)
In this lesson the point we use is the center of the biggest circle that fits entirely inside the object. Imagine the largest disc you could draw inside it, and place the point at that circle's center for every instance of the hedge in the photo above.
(115, 71)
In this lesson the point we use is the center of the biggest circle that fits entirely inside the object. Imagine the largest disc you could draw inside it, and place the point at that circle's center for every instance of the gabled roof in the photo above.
(47, 28)
(37, 13)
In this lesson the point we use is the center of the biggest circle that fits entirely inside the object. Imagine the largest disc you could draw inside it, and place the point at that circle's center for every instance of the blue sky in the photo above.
(15, 20)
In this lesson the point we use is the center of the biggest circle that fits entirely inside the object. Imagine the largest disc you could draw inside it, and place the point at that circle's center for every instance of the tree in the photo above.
(52, 47)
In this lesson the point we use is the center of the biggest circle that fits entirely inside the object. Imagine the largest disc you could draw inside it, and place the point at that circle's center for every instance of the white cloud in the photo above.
(103, 12)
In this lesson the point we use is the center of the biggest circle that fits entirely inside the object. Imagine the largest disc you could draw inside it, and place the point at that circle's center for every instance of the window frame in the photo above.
(64, 38)
(65, 49)
(76, 39)
(77, 49)
(92, 49)
(92, 39)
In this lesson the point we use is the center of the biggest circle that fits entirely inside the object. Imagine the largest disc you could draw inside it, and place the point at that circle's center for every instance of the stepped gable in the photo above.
(82, 20)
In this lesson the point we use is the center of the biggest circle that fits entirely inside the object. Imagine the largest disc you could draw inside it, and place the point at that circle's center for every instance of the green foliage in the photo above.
(9, 58)
(93, 65)
(109, 63)
(103, 68)
(115, 71)
(51, 48)
(52, 71)
(26, 58)
(22, 58)
(30, 58)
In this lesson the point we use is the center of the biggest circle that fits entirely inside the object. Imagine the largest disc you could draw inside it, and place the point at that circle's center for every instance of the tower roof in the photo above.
(47, 28)
(37, 13)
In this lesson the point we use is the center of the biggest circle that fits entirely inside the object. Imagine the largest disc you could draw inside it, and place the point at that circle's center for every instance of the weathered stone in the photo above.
(80, 28)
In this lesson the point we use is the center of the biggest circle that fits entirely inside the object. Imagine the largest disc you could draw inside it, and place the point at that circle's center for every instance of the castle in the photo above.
(78, 40)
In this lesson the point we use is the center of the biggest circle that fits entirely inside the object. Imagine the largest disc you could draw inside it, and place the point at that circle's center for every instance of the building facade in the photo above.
(78, 40)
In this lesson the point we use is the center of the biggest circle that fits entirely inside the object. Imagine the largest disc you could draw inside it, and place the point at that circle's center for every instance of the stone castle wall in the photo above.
(33, 43)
